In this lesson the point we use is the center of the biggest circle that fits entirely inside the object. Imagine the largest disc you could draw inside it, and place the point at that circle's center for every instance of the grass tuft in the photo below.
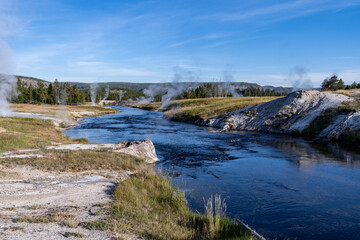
(74, 234)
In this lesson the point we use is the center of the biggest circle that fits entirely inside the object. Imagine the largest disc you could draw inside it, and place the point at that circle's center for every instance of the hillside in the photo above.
(27, 81)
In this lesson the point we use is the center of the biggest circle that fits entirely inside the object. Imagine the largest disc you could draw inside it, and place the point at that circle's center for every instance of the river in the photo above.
(283, 187)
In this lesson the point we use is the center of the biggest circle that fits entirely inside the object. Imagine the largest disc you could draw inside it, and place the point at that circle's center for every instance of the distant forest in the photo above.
(65, 94)
(209, 90)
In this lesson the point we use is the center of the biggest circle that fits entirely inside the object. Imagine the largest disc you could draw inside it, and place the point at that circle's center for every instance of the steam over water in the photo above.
(283, 187)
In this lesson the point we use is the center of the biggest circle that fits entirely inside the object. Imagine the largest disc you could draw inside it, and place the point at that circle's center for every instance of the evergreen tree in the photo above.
(56, 90)
(50, 94)
(341, 84)
(30, 94)
(21, 92)
(42, 93)
(332, 84)
(354, 85)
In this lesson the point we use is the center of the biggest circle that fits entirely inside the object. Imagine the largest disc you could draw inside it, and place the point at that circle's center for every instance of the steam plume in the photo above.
(181, 74)
(107, 90)
(93, 88)
(150, 94)
(7, 82)
(228, 77)
(121, 94)
(299, 79)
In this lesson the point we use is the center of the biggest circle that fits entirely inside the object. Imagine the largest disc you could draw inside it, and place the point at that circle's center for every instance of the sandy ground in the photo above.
(26, 192)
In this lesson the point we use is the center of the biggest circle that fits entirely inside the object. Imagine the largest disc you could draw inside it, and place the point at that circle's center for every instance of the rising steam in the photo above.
(93, 89)
(7, 81)
(299, 79)
(121, 94)
(7, 91)
(150, 94)
(178, 86)
(227, 87)
(107, 90)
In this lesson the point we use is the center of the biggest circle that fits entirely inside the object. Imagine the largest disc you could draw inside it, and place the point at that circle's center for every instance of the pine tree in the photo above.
(42, 93)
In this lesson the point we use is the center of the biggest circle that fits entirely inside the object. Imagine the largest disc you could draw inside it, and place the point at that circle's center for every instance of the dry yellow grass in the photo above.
(189, 110)
(55, 110)
(79, 161)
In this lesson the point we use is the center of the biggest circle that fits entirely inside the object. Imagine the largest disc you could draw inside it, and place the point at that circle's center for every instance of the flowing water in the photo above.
(283, 187)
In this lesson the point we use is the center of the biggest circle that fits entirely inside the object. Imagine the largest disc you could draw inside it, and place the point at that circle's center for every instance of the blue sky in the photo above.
(263, 41)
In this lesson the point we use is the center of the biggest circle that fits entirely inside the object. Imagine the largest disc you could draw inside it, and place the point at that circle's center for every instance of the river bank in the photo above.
(54, 187)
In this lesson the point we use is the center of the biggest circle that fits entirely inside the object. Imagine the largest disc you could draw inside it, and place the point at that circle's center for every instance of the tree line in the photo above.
(209, 90)
(260, 92)
(55, 93)
(64, 94)
(334, 83)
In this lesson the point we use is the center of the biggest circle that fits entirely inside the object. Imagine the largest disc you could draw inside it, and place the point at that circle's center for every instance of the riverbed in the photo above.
(281, 186)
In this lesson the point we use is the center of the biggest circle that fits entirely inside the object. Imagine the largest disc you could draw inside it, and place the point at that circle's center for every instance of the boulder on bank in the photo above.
(142, 149)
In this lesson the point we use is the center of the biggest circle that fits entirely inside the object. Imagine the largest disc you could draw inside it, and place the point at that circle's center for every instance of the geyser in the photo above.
(93, 89)
(7, 81)
(7, 91)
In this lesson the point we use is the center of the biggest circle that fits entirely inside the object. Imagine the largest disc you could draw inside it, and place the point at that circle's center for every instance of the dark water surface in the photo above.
(283, 187)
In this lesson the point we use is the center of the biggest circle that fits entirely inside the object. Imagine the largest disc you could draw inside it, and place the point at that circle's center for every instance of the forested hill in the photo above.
(27, 81)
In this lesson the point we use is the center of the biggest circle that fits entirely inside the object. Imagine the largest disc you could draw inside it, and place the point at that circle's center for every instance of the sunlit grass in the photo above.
(190, 110)
(147, 205)
(77, 161)
(55, 110)
(23, 133)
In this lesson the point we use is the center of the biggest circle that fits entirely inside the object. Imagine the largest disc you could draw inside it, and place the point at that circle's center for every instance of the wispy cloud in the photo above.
(284, 10)
(206, 37)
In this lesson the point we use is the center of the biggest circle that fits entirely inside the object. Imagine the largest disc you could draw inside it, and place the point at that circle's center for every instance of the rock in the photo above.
(142, 149)
(343, 123)
(292, 113)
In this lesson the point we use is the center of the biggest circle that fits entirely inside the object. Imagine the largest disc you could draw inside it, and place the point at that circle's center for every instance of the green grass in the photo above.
(325, 119)
(21, 133)
(190, 110)
(147, 205)
(100, 110)
(74, 234)
(47, 218)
